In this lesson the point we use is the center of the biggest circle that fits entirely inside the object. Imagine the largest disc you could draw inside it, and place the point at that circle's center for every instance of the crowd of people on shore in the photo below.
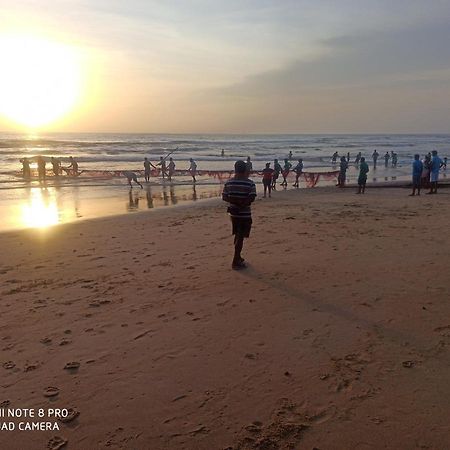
(425, 173)
(57, 168)
(240, 191)
(428, 169)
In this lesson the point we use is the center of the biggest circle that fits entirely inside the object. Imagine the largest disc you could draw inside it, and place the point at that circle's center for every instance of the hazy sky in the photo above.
(253, 66)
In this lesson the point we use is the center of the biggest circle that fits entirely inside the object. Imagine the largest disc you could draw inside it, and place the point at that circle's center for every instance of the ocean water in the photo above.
(32, 204)
(126, 151)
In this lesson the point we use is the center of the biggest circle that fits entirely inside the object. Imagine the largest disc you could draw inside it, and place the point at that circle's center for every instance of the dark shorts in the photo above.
(417, 180)
(266, 182)
(362, 181)
(241, 226)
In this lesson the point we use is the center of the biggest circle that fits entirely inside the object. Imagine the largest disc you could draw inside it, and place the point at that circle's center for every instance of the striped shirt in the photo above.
(240, 193)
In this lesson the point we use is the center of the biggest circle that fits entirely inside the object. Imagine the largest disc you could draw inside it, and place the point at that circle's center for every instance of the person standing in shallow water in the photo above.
(362, 179)
(342, 172)
(417, 169)
(249, 165)
(193, 169)
(375, 156)
(162, 163)
(171, 168)
(72, 168)
(435, 166)
(387, 157)
(276, 173)
(240, 193)
(26, 171)
(41, 168)
(56, 166)
(285, 172)
(147, 169)
(298, 169)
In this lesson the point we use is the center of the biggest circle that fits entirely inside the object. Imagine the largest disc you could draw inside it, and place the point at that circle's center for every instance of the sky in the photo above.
(249, 66)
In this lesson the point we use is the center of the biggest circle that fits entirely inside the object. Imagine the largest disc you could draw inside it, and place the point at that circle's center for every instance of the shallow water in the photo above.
(67, 199)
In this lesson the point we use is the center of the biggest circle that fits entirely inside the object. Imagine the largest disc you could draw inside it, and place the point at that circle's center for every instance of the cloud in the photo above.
(358, 60)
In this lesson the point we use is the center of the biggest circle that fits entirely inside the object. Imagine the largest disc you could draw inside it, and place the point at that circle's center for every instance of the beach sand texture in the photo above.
(336, 337)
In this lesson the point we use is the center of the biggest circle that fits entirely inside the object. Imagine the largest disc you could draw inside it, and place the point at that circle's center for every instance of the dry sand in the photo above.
(336, 337)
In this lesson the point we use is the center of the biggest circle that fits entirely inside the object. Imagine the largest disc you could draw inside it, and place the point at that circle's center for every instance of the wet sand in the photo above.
(337, 336)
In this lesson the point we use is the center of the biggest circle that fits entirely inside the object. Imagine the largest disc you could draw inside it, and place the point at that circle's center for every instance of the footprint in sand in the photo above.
(72, 366)
(9, 365)
(51, 391)
(72, 414)
(408, 364)
(30, 367)
(56, 442)
(5, 403)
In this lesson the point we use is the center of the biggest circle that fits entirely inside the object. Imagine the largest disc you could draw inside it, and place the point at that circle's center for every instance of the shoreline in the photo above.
(319, 343)
(37, 206)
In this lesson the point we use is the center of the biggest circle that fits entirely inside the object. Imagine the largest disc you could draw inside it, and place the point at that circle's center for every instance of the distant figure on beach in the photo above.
(285, 172)
(131, 176)
(387, 157)
(222, 153)
(444, 165)
(298, 169)
(147, 169)
(342, 172)
(193, 169)
(56, 166)
(73, 167)
(277, 169)
(375, 156)
(249, 165)
(26, 171)
(334, 157)
(239, 192)
(171, 168)
(348, 157)
(267, 179)
(290, 155)
(394, 159)
(162, 163)
(358, 159)
(362, 178)
(436, 164)
(426, 171)
(41, 168)
(417, 169)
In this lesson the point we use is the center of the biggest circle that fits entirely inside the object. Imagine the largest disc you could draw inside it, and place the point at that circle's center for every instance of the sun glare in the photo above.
(40, 80)
(40, 212)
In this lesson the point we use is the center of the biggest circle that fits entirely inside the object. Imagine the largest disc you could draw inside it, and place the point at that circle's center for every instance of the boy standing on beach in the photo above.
(362, 179)
(240, 193)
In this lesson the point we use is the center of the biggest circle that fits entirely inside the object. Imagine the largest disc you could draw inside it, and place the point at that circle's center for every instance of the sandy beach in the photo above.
(337, 336)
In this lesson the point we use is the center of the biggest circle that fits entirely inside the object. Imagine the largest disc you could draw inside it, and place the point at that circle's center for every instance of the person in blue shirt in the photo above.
(417, 169)
(436, 164)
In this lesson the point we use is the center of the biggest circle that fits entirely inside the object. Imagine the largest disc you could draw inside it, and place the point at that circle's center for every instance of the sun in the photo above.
(40, 80)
